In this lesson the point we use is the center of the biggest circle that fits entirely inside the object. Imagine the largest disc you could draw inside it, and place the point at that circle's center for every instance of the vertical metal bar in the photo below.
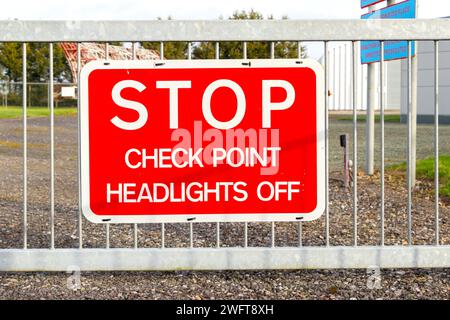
(436, 139)
(133, 50)
(244, 49)
(163, 235)
(272, 50)
(272, 56)
(382, 107)
(341, 75)
(414, 71)
(355, 176)
(80, 216)
(300, 225)
(327, 212)
(135, 226)
(272, 231)
(218, 234)
(161, 50)
(52, 151)
(335, 102)
(107, 235)
(217, 56)
(191, 235)
(244, 53)
(163, 226)
(300, 234)
(217, 50)
(191, 226)
(370, 112)
(25, 141)
(409, 156)
(345, 95)
(362, 82)
(299, 50)
(106, 51)
(107, 224)
(245, 234)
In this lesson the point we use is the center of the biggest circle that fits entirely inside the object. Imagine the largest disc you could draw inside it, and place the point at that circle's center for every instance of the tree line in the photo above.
(38, 53)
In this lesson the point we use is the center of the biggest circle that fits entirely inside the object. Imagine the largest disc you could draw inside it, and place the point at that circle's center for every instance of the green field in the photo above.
(17, 112)
(362, 118)
(425, 170)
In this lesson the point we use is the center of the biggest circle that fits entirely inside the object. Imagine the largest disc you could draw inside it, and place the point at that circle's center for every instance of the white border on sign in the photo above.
(209, 217)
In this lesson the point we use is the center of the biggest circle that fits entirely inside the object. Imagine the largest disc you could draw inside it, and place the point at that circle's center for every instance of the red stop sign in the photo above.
(203, 141)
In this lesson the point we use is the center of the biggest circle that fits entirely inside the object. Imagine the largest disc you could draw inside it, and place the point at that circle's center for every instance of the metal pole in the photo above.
(334, 92)
(299, 54)
(341, 81)
(272, 56)
(217, 57)
(436, 139)
(135, 226)
(355, 170)
(409, 150)
(161, 50)
(52, 152)
(382, 106)
(414, 71)
(299, 50)
(163, 226)
(107, 224)
(327, 98)
(191, 235)
(244, 54)
(244, 49)
(191, 226)
(272, 50)
(370, 112)
(80, 216)
(346, 82)
(25, 140)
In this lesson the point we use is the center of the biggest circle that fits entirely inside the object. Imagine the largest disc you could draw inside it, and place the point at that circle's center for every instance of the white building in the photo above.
(425, 83)
(340, 77)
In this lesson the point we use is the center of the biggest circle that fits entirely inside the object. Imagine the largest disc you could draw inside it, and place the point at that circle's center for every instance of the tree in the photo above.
(255, 50)
(229, 50)
(11, 60)
(172, 50)
(37, 62)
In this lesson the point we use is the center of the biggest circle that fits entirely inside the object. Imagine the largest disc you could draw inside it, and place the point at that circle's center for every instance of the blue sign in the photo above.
(371, 50)
(367, 3)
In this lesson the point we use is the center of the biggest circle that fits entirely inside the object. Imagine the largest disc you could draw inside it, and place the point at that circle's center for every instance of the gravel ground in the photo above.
(305, 284)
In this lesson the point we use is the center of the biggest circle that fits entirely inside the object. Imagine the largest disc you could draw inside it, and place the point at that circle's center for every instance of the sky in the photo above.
(194, 9)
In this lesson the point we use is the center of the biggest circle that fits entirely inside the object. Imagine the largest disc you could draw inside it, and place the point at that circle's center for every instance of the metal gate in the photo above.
(320, 251)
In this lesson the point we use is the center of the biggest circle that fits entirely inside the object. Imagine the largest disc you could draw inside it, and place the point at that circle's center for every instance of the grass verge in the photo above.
(16, 112)
(362, 118)
(425, 171)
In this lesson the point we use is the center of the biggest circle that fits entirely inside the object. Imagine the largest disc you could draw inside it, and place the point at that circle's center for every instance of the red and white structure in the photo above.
(97, 51)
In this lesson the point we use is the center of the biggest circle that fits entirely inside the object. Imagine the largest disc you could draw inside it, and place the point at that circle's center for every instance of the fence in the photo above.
(37, 94)
(319, 251)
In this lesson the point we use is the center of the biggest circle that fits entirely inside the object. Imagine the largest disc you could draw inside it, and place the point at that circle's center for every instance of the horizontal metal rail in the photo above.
(224, 258)
(213, 30)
